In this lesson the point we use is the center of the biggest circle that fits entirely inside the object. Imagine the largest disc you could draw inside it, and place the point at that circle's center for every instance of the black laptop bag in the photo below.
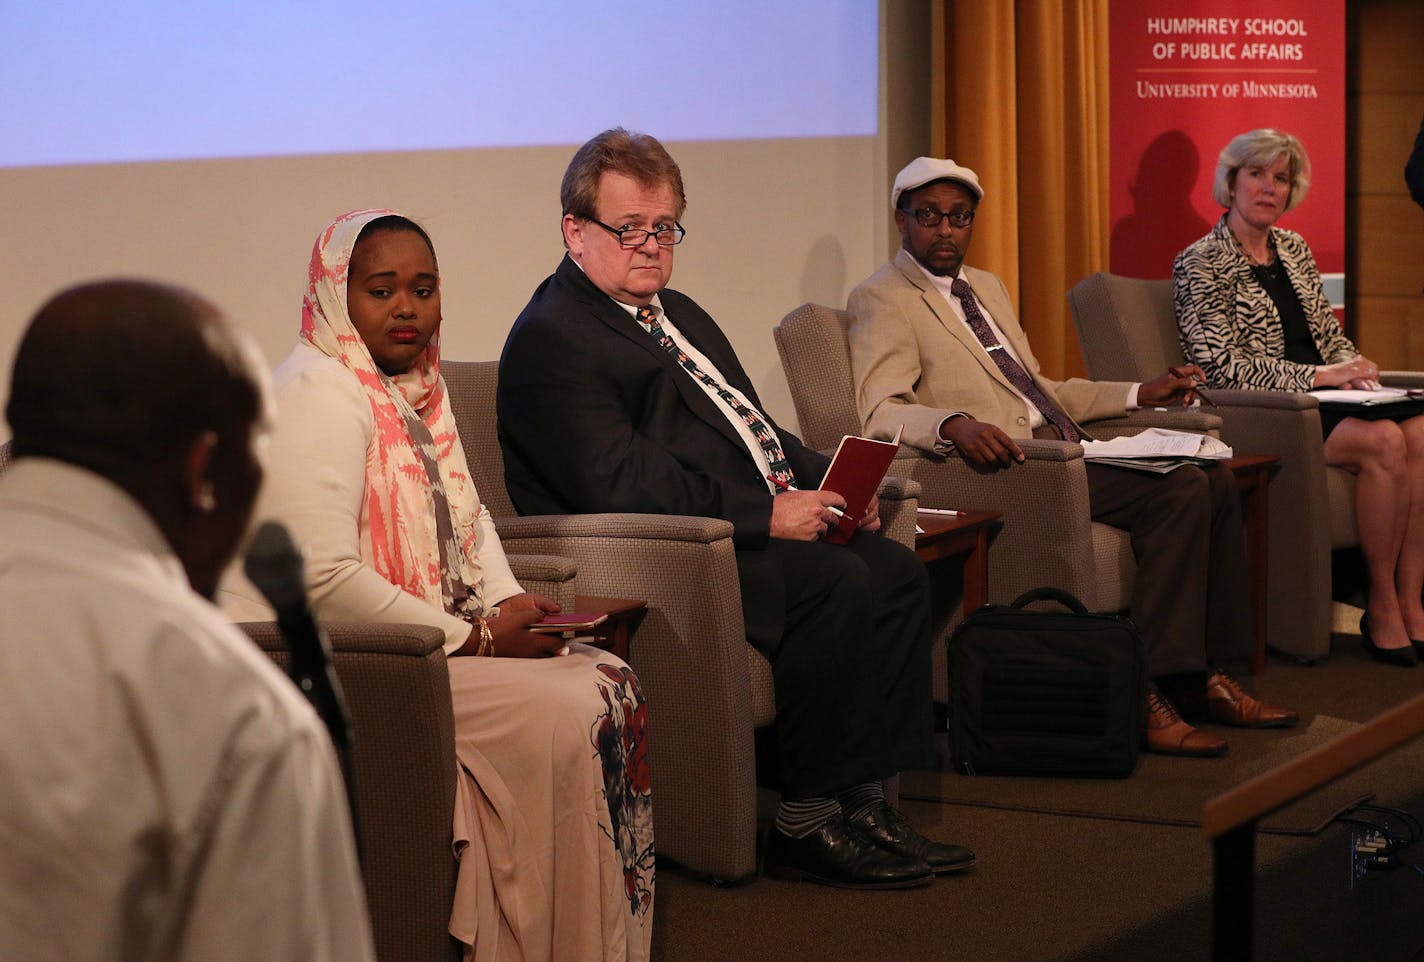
(1045, 692)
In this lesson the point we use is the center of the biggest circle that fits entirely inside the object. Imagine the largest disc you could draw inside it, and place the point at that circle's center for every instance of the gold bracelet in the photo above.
(486, 640)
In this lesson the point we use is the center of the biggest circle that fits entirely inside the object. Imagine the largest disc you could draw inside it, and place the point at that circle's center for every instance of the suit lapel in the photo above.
(938, 306)
(613, 315)
(711, 410)
(1001, 310)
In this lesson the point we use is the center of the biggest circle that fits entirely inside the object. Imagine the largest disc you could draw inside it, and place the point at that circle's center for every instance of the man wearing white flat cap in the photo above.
(936, 345)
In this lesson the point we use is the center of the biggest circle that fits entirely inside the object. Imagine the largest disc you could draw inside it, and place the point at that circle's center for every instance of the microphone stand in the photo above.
(274, 565)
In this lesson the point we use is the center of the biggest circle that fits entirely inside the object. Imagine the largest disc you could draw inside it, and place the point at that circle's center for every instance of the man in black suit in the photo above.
(618, 394)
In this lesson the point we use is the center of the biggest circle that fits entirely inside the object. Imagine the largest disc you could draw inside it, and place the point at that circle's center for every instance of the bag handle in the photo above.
(1064, 598)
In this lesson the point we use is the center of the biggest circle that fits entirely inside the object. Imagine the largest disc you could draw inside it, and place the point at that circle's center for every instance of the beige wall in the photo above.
(1384, 228)
(771, 224)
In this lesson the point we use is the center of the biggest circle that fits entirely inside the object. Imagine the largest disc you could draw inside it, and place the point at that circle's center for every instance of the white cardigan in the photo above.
(315, 486)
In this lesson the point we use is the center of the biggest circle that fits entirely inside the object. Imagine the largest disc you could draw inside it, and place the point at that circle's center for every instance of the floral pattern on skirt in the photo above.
(620, 738)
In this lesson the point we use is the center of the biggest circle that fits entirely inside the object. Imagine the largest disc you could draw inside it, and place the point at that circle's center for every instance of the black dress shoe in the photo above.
(886, 827)
(1404, 657)
(836, 854)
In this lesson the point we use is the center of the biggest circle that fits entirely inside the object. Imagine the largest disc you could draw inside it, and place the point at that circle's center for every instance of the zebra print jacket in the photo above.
(1228, 324)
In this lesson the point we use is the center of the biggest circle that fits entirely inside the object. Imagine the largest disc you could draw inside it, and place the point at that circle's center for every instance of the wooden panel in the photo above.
(1388, 123)
(1390, 331)
(1385, 242)
(1390, 32)
(1390, 235)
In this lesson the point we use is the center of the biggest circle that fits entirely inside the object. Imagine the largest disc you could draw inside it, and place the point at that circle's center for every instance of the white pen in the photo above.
(947, 511)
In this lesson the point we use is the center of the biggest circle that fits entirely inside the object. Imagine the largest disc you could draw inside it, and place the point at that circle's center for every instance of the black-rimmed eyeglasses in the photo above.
(933, 217)
(635, 237)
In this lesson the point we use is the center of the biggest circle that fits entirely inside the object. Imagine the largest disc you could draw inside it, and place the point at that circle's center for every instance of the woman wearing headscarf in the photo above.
(553, 816)
(1252, 313)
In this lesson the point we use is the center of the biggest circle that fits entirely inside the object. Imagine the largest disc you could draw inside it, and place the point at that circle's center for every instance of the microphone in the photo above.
(274, 564)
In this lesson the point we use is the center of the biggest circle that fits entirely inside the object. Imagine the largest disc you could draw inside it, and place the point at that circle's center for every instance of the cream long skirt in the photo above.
(553, 817)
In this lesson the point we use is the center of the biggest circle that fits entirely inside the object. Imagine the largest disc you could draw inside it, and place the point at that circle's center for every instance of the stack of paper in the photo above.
(1380, 395)
(1158, 450)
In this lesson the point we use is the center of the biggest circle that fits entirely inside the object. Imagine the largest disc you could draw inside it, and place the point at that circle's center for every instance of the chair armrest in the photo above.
(899, 501)
(669, 527)
(1402, 378)
(1047, 533)
(899, 489)
(691, 657)
(1178, 419)
(547, 575)
(1286, 425)
(1299, 537)
(359, 638)
(908, 460)
(1247, 398)
(684, 567)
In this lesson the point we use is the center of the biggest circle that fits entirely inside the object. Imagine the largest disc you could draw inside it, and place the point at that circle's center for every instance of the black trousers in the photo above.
(1190, 600)
(852, 669)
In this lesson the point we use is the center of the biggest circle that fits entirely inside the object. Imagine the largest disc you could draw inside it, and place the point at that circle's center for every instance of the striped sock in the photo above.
(859, 799)
(800, 817)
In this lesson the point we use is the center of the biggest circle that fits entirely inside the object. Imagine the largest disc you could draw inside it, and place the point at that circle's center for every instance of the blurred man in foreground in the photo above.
(165, 793)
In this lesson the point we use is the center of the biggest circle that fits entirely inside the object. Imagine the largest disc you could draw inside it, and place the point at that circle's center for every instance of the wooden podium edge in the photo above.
(1253, 800)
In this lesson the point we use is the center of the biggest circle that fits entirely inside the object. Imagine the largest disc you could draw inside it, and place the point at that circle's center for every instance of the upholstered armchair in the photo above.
(707, 689)
(1048, 537)
(1128, 330)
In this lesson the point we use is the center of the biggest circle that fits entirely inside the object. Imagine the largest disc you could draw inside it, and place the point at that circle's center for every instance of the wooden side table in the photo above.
(1253, 473)
(966, 533)
(614, 635)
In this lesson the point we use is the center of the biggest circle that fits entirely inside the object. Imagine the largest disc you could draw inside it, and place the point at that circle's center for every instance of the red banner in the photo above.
(1186, 77)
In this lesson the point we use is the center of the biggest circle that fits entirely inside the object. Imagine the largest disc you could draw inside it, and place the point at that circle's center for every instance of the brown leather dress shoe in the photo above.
(1166, 733)
(1228, 704)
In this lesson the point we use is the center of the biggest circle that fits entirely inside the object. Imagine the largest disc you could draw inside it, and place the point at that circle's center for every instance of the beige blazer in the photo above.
(915, 362)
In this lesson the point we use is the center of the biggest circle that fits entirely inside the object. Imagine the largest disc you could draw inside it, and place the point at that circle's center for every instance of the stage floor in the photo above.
(1107, 870)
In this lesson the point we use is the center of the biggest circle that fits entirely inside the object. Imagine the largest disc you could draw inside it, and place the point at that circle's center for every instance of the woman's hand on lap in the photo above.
(512, 639)
(527, 601)
(1345, 373)
(509, 631)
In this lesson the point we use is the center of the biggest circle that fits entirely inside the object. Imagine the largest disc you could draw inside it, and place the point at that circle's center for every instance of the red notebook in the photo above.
(855, 474)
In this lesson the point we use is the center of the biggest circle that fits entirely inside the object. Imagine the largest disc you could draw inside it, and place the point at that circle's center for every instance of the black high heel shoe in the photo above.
(1405, 657)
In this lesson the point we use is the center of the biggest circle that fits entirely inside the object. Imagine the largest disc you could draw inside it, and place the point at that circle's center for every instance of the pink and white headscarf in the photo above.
(418, 517)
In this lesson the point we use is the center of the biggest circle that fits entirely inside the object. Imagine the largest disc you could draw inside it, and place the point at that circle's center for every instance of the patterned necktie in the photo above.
(1012, 369)
(765, 436)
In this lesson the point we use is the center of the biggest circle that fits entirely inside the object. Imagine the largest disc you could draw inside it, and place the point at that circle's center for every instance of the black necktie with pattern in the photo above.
(765, 436)
(1012, 369)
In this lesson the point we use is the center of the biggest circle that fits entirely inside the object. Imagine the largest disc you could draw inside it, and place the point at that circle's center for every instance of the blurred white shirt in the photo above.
(165, 792)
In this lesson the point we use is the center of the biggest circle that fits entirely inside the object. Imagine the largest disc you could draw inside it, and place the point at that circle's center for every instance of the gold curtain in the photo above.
(1021, 96)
